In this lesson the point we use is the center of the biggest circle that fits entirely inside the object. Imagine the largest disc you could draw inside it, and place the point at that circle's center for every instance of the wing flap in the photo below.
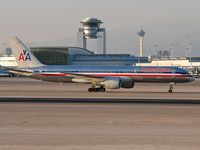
(81, 78)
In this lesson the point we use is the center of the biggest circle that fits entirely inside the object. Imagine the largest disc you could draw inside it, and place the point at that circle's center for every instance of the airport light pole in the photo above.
(162, 50)
(156, 50)
(171, 50)
(190, 48)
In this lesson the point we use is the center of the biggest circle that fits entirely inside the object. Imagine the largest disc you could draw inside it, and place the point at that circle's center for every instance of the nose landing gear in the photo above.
(170, 90)
(171, 87)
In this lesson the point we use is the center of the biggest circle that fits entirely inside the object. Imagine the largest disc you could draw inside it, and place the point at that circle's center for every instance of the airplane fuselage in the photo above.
(136, 73)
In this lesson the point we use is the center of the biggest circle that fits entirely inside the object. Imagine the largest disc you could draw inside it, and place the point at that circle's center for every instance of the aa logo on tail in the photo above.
(24, 56)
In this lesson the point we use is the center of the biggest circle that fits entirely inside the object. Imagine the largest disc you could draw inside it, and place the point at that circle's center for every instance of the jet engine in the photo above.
(111, 84)
(126, 83)
(118, 83)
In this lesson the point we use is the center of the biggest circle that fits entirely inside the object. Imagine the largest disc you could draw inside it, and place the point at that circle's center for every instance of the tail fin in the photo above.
(23, 55)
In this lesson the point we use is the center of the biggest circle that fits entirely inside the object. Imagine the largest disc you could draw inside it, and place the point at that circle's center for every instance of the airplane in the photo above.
(100, 77)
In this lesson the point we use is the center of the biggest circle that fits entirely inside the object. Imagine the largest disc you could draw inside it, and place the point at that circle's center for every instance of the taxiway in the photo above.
(99, 126)
(42, 115)
(29, 88)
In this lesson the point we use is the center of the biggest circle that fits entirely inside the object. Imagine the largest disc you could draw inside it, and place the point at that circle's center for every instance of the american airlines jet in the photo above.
(100, 77)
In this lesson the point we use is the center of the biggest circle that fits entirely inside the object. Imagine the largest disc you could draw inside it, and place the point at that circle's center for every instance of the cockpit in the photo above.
(180, 71)
(185, 72)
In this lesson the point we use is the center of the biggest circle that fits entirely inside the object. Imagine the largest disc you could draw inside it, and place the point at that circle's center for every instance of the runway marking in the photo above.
(103, 98)
(100, 105)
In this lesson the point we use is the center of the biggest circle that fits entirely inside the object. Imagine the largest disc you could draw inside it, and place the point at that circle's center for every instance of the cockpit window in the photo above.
(185, 72)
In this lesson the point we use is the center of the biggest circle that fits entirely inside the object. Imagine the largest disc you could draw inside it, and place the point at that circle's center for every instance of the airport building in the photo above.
(179, 62)
(57, 55)
(81, 56)
(75, 56)
(191, 64)
(8, 61)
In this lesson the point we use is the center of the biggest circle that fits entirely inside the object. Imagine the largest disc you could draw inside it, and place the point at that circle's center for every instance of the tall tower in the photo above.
(141, 34)
(91, 30)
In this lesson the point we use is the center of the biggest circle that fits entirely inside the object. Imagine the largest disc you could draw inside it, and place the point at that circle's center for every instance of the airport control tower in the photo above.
(141, 34)
(91, 30)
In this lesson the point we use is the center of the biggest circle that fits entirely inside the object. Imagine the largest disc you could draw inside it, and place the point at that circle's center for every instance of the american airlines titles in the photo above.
(143, 69)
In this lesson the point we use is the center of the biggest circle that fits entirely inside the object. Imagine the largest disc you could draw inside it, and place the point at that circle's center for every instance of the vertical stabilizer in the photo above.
(23, 55)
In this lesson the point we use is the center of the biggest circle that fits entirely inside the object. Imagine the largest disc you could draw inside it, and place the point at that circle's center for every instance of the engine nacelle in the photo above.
(111, 84)
(126, 83)
(116, 83)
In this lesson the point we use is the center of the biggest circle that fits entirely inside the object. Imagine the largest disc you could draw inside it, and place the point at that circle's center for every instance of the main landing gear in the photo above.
(99, 89)
(171, 87)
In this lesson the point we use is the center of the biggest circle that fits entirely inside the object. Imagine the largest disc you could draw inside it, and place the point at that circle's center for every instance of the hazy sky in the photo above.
(165, 21)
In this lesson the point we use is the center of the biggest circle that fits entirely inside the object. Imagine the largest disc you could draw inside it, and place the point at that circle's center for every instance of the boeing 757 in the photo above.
(100, 77)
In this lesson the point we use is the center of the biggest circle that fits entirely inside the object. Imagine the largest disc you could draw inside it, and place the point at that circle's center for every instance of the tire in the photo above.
(90, 90)
(103, 89)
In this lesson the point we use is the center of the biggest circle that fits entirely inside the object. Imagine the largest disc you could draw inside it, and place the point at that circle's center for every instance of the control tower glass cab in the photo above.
(91, 30)
(91, 27)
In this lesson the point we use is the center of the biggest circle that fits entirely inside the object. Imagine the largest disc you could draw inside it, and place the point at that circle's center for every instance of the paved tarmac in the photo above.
(43, 126)
(23, 88)
(95, 126)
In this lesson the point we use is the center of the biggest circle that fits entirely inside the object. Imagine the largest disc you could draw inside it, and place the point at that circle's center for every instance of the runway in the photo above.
(16, 88)
(99, 126)
(48, 116)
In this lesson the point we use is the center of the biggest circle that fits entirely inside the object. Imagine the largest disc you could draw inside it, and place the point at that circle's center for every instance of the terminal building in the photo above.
(191, 64)
(8, 61)
(75, 56)
(81, 56)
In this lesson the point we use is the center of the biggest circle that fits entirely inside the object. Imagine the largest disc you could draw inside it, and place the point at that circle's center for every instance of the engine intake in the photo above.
(111, 84)
(126, 83)
(118, 83)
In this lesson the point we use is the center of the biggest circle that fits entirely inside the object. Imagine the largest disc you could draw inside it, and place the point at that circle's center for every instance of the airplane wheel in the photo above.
(93, 90)
(103, 89)
(90, 90)
(170, 91)
(96, 90)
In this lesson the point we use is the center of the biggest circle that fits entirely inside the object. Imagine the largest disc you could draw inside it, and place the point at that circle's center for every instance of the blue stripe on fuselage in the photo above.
(108, 69)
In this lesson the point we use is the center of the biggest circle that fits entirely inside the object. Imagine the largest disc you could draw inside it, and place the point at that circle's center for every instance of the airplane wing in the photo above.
(16, 71)
(26, 73)
(79, 78)
(103, 82)
(86, 78)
